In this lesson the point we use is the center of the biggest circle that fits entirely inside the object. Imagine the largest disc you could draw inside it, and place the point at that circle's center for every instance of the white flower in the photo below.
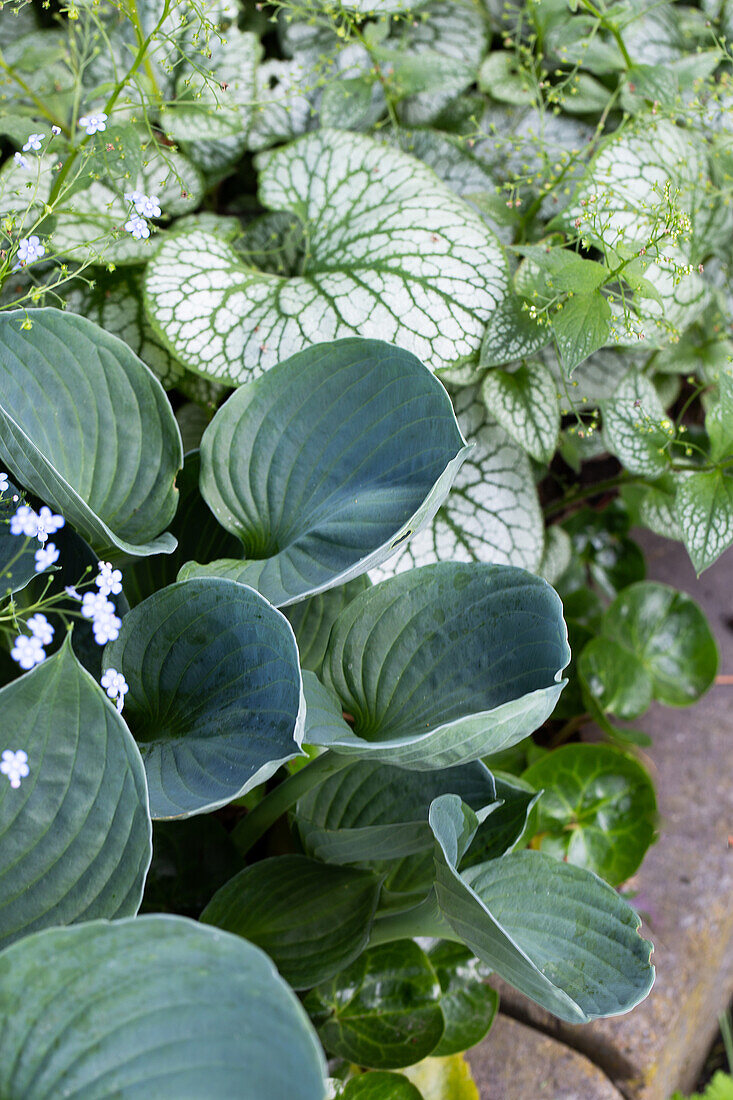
(41, 628)
(24, 522)
(109, 581)
(71, 592)
(4, 483)
(15, 766)
(20, 160)
(148, 206)
(116, 686)
(138, 227)
(51, 522)
(55, 130)
(93, 124)
(94, 605)
(134, 196)
(27, 651)
(106, 628)
(30, 249)
(47, 556)
(33, 142)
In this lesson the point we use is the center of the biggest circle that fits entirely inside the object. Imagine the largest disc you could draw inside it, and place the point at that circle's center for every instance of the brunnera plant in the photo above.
(330, 333)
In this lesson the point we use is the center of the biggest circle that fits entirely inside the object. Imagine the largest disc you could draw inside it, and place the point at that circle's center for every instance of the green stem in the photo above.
(424, 919)
(277, 802)
(587, 491)
(600, 16)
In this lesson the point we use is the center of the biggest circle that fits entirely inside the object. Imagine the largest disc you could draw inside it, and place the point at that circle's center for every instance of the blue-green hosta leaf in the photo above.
(556, 932)
(323, 466)
(525, 404)
(115, 302)
(598, 809)
(704, 512)
(312, 620)
(383, 1011)
(88, 428)
(492, 513)
(507, 828)
(311, 918)
(215, 692)
(393, 254)
(445, 664)
(170, 1009)
(635, 426)
(370, 812)
(75, 835)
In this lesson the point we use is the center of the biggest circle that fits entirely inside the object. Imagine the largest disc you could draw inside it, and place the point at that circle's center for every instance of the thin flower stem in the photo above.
(585, 492)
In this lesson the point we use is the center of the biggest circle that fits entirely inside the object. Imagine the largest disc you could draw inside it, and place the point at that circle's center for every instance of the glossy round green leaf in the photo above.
(380, 1085)
(468, 1004)
(75, 835)
(313, 618)
(156, 1006)
(597, 810)
(615, 678)
(215, 692)
(88, 428)
(311, 918)
(669, 637)
(444, 664)
(326, 464)
(556, 932)
(383, 1011)
(393, 254)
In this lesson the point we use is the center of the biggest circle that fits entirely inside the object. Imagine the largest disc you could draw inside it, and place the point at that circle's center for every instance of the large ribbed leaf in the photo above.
(215, 692)
(311, 918)
(392, 253)
(313, 618)
(444, 664)
(153, 1007)
(556, 932)
(326, 464)
(86, 426)
(75, 835)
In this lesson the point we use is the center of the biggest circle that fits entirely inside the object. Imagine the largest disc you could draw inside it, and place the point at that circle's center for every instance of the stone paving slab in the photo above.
(518, 1063)
(685, 886)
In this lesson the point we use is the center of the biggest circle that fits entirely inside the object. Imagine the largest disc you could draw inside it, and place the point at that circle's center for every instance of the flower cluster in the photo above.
(101, 611)
(28, 650)
(146, 206)
(116, 687)
(109, 580)
(94, 124)
(15, 766)
(37, 525)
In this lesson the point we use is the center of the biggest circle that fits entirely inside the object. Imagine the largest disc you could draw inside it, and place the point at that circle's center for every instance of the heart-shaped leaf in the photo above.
(75, 834)
(704, 512)
(556, 932)
(392, 253)
(468, 1004)
(326, 464)
(170, 1009)
(311, 918)
(635, 427)
(383, 1011)
(598, 809)
(87, 427)
(380, 1085)
(312, 620)
(445, 664)
(214, 692)
(526, 406)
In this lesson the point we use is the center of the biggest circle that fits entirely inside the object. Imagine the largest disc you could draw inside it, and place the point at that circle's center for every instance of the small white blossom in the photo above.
(71, 592)
(148, 206)
(4, 483)
(51, 522)
(134, 196)
(24, 522)
(109, 581)
(33, 142)
(93, 124)
(116, 686)
(41, 628)
(106, 628)
(20, 160)
(94, 605)
(55, 130)
(27, 651)
(47, 556)
(30, 249)
(138, 227)
(15, 766)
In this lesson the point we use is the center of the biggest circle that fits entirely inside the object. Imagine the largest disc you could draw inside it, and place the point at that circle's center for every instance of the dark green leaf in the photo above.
(191, 860)
(383, 1011)
(215, 692)
(615, 678)
(507, 827)
(87, 427)
(311, 918)
(156, 1006)
(598, 809)
(75, 835)
(468, 1003)
(380, 1085)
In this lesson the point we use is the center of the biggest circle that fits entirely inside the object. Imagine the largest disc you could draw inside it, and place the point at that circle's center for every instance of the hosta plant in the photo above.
(342, 348)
